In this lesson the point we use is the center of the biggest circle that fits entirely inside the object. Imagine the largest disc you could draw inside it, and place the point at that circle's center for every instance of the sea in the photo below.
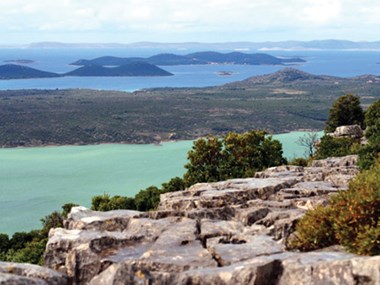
(336, 63)
(36, 181)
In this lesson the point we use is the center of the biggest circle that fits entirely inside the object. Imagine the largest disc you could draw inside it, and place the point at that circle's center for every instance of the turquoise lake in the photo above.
(36, 181)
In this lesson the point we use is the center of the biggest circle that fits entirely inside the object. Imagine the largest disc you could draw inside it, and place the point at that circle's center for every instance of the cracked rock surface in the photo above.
(229, 232)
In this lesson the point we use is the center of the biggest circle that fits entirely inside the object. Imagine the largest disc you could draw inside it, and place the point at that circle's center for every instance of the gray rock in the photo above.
(16, 273)
(351, 131)
(330, 268)
(228, 232)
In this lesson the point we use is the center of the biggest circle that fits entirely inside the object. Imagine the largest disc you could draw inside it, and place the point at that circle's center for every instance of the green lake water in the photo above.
(36, 181)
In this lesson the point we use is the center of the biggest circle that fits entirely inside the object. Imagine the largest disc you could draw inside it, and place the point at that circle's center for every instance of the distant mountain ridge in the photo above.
(328, 44)
(208, 57)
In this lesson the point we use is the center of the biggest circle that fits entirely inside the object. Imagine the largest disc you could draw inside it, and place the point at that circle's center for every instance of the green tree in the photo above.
(372, 115)
(244, 154)
(148, 199)
(174, 184)
(346, 110)
(204, 158)
(234, 156)
(371, 151)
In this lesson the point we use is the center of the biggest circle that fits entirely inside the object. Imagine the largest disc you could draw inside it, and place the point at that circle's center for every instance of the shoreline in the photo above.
(157, 143)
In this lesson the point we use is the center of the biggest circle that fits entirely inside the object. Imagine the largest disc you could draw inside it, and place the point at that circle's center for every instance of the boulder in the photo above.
(351, 131)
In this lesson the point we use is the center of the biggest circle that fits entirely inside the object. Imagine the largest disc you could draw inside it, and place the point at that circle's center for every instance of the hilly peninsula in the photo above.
(283, 101)
(14, 71)
(200, 58)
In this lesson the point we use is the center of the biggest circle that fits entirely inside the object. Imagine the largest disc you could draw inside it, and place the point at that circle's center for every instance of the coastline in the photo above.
(155, 143)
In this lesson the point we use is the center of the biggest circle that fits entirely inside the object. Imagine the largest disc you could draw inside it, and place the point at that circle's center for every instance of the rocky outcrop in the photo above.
(28, 274)
(230, 232)
(351, 131)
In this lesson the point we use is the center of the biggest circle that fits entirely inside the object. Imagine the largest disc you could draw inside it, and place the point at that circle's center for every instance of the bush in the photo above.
(352, 219)
(148, 199)
(106, 203)
(299, 161)
(314, 231)
(330, 146)
(370, 152)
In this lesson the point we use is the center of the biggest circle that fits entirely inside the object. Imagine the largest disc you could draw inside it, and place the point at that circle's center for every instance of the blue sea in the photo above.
(337, 63)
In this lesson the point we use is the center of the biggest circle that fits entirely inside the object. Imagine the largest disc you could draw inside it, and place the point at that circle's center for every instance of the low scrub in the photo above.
(352, 219)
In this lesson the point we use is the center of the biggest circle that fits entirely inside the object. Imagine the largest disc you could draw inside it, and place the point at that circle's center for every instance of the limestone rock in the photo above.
(351, 131)
(228, 232)
(29, 274)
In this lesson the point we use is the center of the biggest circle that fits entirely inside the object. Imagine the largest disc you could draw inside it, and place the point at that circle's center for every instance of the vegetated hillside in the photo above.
(42, 117)
(128, 69)
(14, 71)
(286, 75)
(208, 57)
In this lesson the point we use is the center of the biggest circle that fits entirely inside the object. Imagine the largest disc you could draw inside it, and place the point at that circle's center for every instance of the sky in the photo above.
(127, 21)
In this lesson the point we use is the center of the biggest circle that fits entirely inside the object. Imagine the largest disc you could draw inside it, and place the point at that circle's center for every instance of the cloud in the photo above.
(147, 18)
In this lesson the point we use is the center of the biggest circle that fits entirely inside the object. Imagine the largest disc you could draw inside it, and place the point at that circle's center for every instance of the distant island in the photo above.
(127, 69)
(198, 58)
(15, 71)
(138, 66)
(19, 61)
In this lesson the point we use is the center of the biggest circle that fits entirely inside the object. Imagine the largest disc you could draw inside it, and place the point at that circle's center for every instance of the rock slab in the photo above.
(229, 232)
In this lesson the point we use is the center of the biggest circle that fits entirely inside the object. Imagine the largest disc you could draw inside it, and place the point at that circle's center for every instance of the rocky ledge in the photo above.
(230, 232)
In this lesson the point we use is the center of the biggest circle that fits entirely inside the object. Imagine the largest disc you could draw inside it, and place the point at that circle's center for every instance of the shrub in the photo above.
(352, 219)
(106, 203)
(314, 230)
(330, 146)
(148, 199)
(370, 152)
(299, 161)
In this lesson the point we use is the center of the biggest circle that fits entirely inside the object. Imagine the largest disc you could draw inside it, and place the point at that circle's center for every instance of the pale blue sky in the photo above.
(125, 21)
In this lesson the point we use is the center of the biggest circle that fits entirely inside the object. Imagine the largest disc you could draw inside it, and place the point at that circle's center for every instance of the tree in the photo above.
(175, 184)
(204, 158)
(148, 199)
(346, 110)
(234, 156)
(309, 141)
(372, 115)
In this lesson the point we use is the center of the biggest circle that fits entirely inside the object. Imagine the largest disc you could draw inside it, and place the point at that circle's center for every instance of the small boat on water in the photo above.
(224, 73)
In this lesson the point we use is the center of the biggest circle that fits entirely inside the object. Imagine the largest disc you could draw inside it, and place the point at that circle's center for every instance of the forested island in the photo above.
(15, 71)
(283, 101)
(200, 58)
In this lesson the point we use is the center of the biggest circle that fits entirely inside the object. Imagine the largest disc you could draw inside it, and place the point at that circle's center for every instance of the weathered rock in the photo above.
(330, 268)
(228, 232)
(28, 274)
(351, 131)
